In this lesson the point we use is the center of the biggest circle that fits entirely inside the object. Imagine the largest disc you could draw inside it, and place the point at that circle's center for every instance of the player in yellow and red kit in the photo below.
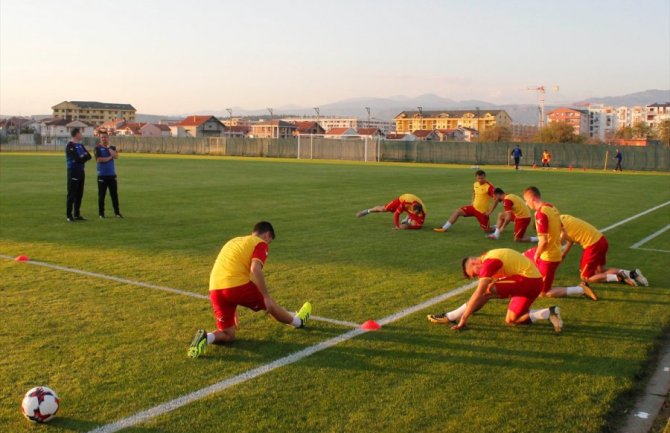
(237, 279)
(503, 273)
(406, 203)
(482, 197)
(594, 257)
(515, 211)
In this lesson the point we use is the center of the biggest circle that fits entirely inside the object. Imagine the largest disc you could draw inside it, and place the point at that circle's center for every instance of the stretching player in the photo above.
(592, 265)
(482, 196)
(237, 279)
(515, 210)
(547, 255)
(409, 203)
(503, 273)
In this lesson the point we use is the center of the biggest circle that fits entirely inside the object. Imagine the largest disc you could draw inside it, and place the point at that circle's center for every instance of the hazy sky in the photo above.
(174, 57)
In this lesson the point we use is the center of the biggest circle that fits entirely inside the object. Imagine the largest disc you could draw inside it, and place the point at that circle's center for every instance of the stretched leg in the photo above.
(375, 209)
(452, 219)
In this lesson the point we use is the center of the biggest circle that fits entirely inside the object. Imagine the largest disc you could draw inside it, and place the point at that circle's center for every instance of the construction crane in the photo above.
(540, 97)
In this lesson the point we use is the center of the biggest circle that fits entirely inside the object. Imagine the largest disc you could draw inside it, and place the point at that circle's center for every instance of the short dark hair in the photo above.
(534, 191)
(463, 263)
(74, 132)
(264, 227)
(480, 173)
(498, 191)
(417, 207)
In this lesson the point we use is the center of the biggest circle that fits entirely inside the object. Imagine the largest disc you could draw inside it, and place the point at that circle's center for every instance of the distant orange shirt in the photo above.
(483, 196)
(548, 223)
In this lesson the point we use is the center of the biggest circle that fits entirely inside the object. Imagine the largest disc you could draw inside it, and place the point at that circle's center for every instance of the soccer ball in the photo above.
(40, 404)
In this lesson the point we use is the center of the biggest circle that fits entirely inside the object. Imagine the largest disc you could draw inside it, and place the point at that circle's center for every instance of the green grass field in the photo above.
(111, 349)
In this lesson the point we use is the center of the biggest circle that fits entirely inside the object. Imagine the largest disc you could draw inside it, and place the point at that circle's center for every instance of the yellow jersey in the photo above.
(548, 223)
(505, 262)
(233, 264)
(515, 204)
(483, 194)
(580, 231)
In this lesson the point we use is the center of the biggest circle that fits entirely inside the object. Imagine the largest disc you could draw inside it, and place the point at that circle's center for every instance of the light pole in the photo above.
(420, 117)
(271, 128)
(230, 127)
(369, 117)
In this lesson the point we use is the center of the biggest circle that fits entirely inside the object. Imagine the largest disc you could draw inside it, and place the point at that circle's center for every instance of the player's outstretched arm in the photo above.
(478, 299)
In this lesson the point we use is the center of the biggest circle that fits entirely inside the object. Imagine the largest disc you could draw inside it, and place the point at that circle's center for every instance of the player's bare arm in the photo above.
(480, 297)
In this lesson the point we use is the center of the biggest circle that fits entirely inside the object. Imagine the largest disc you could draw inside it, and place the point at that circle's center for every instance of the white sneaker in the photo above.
(555, 319)
(639, 278)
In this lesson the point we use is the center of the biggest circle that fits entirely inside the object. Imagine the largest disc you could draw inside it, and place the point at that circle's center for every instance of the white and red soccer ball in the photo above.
(40, 404)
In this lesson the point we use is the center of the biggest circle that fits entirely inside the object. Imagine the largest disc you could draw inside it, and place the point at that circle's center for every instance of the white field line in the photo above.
(656, 250)
(624, 221)
(650, 237)
(266, 368)
(156, 287)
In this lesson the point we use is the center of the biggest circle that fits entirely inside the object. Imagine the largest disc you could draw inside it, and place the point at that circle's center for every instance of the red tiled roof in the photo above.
(367, 131)
(395, 136)
(421, 133)
(162, 127)
(195, 120)
(337, 131)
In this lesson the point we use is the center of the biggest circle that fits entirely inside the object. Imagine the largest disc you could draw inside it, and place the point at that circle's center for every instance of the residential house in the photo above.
(426, 135)
(341, 133)
(579, 119)
(400, 137)
(131, 128)
(13, 125)
(453, 134)
(370, 132)
(309, 128)
(480, 120)
(273, 129)
(469, 134)
(93, 112)
(155, 130)
(200, 126)
(59, 130)
(655, 113)
(111, 126)
(238, 130)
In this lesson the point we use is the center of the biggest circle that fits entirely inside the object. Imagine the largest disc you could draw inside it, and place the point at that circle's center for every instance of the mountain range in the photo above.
(388, 108)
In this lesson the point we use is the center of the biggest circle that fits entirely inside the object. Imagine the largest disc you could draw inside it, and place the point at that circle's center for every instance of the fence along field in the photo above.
(652, 157)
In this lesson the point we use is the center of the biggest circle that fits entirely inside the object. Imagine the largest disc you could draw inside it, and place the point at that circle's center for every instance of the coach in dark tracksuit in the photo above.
(76, 156)
(105, 156)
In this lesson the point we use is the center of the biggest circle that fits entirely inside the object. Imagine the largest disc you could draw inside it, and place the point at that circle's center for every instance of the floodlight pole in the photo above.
(230, 127)
(271, 117)
(420, 108)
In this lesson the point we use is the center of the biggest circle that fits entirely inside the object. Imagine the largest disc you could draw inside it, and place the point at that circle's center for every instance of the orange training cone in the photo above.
(534, 165)
(371, 325)
(22, 258)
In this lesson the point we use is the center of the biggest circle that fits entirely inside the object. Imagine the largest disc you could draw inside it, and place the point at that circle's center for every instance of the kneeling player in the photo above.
(237, 279)
(592, 265)
(502, 273)
(482, 195)
(416, 211)
(515, 210)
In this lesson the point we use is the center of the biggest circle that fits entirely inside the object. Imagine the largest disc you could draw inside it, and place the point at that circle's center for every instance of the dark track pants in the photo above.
(75, 192)
(104, 183)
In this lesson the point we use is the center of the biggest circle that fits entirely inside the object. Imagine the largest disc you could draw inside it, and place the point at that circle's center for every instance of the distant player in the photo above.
(547, 255)
(502, 273)
(516, 155)
(482, 197)
(619, 158)
(515, 210)
(546, 158)
(406, 203)
(592, 265)
(237, 279)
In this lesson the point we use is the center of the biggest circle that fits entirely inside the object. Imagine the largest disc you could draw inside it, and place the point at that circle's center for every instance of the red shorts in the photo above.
(393, 205)
(520, 226)
(593, 257)
(225, 302)
(521, 290)
(470, 211)
(548, 271)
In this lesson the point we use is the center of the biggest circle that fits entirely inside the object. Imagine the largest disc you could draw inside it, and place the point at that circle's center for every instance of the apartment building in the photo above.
(93, 112)
(479, 120)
